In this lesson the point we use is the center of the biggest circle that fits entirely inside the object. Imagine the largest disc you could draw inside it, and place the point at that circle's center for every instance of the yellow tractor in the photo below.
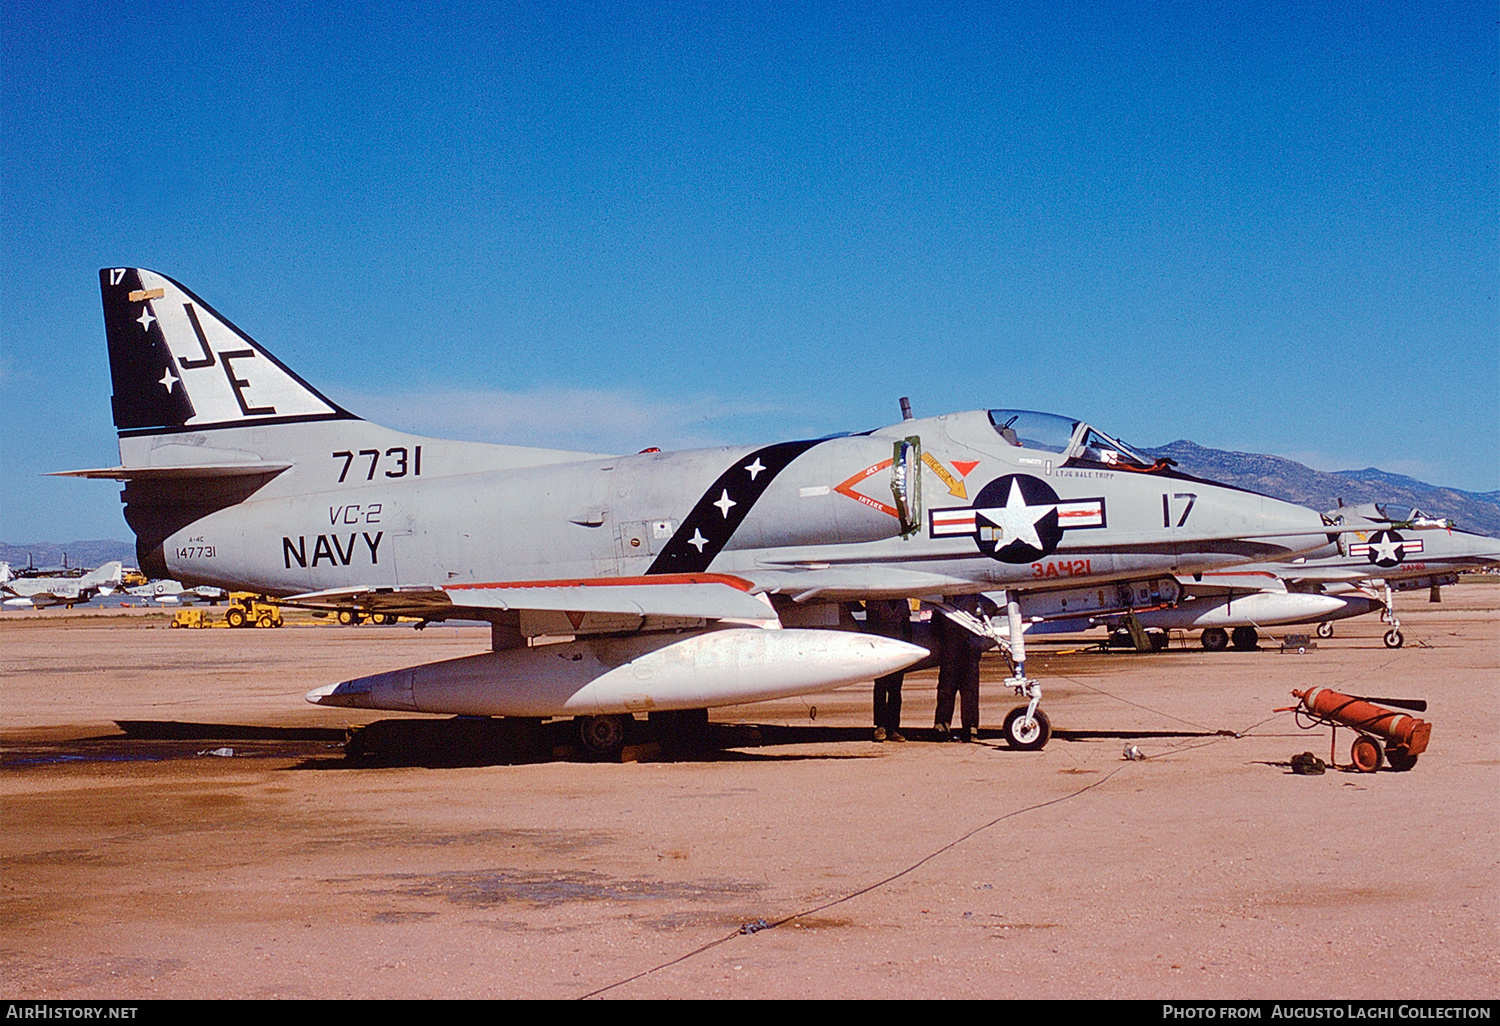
(249, 610)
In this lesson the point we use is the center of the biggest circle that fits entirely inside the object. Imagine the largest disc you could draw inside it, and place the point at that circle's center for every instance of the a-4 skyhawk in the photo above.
(685, 580)
(1379, 549)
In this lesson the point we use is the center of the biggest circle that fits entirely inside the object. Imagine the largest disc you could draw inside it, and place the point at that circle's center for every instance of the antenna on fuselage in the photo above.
(905, 408)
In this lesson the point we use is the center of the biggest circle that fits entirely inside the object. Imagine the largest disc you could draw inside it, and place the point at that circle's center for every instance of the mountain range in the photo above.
(1282, 478)
(1275, 476)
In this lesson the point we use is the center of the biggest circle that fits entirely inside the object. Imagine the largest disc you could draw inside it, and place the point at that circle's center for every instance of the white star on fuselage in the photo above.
(1387, 550)
(145, 319)
(697, 541)
(724, 503)
(1016, 520)
(755, 468)
(167, 380)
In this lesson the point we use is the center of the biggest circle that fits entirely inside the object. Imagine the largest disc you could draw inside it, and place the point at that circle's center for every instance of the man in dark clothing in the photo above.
(958, 671)
(889, 618)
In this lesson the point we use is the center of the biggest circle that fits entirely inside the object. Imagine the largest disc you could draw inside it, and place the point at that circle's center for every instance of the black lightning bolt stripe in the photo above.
(713, 521)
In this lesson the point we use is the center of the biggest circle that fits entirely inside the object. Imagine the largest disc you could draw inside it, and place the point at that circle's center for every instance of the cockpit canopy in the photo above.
(1074, 441)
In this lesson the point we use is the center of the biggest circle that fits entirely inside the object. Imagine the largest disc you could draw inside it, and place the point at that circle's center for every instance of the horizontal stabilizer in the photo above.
(182, 473)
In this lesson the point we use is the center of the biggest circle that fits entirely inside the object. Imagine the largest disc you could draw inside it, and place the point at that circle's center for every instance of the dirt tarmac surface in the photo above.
(794, 858)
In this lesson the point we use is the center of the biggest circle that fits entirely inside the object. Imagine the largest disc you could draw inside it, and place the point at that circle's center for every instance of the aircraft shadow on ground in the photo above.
(477, 741)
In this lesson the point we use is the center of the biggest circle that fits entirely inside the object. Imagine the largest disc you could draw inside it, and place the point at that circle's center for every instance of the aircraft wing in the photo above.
(581, 606)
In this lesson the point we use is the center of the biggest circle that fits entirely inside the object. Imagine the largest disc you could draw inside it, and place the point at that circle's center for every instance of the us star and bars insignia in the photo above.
(1386, 548)
(1016, 518)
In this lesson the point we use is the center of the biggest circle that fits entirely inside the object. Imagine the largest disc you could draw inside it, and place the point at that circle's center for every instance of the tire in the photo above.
(1024, 735)
(1245, 639)
(1215, 639)
(1366, 754)
(1325, 629)
(236, 617)
(1393, 638)
(265, 621)
(349, 617)
(602, 736)
(1399, 759)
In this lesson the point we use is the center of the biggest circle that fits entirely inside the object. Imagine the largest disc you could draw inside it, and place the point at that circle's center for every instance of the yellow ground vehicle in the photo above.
(191, 618)
(245, 610)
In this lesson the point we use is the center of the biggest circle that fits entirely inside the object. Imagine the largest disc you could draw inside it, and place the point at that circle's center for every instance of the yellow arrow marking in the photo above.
(955, 486)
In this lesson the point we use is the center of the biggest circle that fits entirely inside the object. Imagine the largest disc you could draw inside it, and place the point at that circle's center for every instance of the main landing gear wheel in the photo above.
(1245, 638)
(1393, 638)
(1215, 639)
(1366, 754)
(1325, 629)
(1027, 734)
(602, 736)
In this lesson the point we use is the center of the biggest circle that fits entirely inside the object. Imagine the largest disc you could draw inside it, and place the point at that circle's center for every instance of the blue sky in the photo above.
(608, 226)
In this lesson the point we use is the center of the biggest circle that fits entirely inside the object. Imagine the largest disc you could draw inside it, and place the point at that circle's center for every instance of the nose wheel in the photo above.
(1027, 730)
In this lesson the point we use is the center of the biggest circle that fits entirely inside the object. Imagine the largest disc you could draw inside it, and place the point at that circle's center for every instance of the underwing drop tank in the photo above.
(639, 673)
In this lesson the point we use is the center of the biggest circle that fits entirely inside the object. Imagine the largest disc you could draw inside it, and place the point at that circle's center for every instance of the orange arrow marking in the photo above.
(847, 488)
(955, 486)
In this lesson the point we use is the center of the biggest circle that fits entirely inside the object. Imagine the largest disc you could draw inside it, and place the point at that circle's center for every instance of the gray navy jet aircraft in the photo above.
(684, 580)
(1380, 548)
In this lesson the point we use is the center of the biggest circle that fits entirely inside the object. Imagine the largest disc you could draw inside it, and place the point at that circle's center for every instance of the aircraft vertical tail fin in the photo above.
(177, 364)
(111, 574)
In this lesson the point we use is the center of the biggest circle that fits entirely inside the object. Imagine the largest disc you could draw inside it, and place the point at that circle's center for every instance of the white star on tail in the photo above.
(755, 468)
(724, 503)
(1016, 520)
(697, 541)
(167, 380)
(145, 319)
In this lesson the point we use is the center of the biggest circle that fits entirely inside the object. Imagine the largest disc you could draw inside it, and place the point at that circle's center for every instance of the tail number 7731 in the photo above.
(398, 461)
(1170, 503)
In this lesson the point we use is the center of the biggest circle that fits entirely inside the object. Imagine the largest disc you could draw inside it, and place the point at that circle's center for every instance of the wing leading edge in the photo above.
(580, 606)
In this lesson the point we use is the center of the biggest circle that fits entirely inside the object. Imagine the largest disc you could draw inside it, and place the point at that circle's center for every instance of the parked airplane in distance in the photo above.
(1382, 549)
(171, 592)
(660, 566)
(38, 592)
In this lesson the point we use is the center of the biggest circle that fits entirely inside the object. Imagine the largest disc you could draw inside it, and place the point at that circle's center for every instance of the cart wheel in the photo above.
(1399, 759)
(1366, 754)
